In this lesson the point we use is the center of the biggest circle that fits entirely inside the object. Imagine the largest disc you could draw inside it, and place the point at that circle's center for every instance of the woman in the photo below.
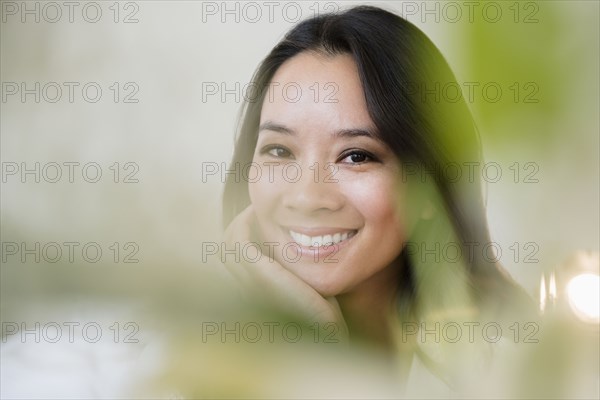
(354, 163)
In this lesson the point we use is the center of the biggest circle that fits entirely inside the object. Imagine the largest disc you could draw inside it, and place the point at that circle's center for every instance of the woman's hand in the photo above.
(267, 277)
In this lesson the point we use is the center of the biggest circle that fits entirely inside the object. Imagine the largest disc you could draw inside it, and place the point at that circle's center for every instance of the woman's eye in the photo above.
(276, 151)
(357, 157)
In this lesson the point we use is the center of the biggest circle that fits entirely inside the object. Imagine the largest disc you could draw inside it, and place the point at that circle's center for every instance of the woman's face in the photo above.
(325, 178)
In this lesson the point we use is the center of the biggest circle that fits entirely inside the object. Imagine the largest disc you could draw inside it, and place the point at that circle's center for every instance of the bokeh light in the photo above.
(584, 296)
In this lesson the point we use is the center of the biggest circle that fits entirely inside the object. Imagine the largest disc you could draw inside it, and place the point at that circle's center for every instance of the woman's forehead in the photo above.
(313, 87)
(311, 67)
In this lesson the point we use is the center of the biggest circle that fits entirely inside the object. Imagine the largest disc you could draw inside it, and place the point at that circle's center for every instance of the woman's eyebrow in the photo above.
(350, 133)
(346, 133)
(271, 126)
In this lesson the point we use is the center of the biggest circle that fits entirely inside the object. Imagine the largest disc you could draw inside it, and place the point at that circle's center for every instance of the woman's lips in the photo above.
(320, 244)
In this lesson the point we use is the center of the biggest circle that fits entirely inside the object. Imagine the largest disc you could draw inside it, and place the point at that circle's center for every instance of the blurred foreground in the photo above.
(174, 333)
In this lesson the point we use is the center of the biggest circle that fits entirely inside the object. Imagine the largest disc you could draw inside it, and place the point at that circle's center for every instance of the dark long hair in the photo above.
(402, 74)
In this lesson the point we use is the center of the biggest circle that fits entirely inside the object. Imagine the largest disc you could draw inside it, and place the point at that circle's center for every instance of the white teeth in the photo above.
(301, 239)
(305, 240)
(319, 241)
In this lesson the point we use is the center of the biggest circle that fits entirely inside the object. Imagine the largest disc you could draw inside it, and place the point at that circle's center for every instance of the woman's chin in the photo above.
(324, 284)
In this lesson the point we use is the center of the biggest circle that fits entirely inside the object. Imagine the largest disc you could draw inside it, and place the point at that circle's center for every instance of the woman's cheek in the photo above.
(265, 185)
(373, 195)
(265, 197)
(259, 196)
(256, 184)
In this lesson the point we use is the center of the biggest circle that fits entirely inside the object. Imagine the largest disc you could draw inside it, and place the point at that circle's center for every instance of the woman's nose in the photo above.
(312, 191)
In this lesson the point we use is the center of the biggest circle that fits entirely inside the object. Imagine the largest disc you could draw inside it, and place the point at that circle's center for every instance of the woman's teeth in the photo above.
(318, 241)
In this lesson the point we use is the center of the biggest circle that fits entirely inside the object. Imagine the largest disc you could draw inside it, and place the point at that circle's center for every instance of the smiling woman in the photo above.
(358, 204)
(368, 208)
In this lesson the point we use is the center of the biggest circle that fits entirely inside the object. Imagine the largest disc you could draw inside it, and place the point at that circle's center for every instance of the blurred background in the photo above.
(115, 114)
